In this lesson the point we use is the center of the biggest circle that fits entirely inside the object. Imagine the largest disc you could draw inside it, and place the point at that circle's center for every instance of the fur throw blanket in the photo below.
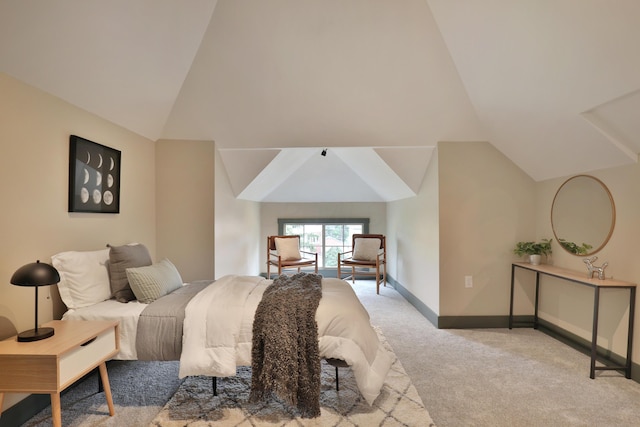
(285, 359)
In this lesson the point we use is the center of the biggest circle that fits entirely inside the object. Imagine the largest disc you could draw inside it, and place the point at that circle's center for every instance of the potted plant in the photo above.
(534, 250)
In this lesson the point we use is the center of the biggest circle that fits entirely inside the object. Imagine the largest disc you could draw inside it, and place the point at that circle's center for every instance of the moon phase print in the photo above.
(94, 177)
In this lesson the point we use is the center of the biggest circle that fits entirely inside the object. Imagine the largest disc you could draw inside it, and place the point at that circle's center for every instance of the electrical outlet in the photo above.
(468, 281)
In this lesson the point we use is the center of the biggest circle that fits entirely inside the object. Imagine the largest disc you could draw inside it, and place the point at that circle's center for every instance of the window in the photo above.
(326, 236)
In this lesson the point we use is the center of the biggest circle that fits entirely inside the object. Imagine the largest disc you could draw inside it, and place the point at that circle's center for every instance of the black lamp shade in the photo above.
(35, 274)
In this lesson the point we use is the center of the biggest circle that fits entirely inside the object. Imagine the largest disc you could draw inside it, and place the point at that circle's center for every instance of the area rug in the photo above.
(194, 405)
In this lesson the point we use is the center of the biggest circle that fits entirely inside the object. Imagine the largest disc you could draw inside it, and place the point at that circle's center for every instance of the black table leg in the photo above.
(632, 307)
(535, 312)
(594, 336)
(513, 270)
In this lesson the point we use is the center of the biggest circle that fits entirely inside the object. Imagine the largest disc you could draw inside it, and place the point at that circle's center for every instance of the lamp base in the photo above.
(35, 334)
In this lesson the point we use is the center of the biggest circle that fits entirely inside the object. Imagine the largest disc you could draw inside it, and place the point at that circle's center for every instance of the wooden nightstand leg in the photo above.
(1, 402)
(56, 411)
(107, 388)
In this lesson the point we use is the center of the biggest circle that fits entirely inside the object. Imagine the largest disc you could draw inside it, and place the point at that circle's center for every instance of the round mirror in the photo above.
(583, 215)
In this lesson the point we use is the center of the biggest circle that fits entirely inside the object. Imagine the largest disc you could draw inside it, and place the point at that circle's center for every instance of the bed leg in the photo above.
(337, 363)
(214, 385)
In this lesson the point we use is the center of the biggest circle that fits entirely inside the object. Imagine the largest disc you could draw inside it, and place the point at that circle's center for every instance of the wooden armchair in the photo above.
(369, 254)
(284, 252)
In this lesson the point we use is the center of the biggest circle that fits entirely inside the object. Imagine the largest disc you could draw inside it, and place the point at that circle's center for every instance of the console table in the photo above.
(597, 285)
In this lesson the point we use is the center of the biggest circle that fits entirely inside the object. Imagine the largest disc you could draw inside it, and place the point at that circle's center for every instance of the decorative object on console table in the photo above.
(35, 274)
(94, 177)
(592, 269)
(534, 250)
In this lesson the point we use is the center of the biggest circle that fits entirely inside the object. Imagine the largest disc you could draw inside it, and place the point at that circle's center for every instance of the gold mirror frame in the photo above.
(582, 212)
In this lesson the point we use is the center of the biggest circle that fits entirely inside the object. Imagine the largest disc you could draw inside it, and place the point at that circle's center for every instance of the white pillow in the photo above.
(84, 277)
(288, 248)
(154, 281)
(366, 249)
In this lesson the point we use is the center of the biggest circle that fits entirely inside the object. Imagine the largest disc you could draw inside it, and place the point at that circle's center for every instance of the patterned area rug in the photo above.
(194, 405)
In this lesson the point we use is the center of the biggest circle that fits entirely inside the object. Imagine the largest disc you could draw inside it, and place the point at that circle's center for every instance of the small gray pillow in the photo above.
(151, 282)
(121, 258)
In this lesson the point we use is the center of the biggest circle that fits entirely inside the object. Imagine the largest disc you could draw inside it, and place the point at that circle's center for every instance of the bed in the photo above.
(172, 324)
(165, 314)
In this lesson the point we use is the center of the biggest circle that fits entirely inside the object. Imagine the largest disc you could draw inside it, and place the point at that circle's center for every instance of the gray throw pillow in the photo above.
(152, 282)
(121, 258)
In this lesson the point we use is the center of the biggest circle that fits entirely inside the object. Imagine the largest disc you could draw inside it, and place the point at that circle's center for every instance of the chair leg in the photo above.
(214, 385)
(353, 275)
(384, 274)
(337, 380)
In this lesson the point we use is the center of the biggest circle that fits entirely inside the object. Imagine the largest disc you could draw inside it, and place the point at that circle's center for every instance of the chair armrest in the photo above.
(274, 257)
(314, 255)
(342, 257)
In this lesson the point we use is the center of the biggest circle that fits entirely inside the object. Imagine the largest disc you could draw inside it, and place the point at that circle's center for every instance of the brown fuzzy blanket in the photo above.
(285, 359)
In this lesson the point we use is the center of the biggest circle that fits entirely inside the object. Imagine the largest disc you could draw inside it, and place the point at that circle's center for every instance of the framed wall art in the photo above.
(94, 177)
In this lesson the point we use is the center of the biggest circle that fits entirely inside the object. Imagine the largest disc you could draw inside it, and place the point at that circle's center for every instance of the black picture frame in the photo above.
(94, 177)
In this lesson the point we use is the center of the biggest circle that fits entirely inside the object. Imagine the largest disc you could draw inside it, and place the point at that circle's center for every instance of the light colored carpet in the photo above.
(139, 391)
(491, 377)
(194, 405)
(499, 377)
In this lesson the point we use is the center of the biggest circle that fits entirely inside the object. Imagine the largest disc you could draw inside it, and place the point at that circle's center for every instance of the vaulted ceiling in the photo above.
(553, 84)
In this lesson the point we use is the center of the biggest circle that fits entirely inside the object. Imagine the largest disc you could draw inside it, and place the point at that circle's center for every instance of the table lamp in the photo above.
(35, 274)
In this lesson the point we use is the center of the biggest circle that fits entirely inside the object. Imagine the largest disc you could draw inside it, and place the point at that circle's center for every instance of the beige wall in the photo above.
(486, 205)
(571, 306)
(413, 238)
(34, 166)
(185, 206)
(237, 226)
(270, 212)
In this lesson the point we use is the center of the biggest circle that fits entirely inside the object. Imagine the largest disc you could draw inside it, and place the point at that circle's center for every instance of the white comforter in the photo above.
(219, 322)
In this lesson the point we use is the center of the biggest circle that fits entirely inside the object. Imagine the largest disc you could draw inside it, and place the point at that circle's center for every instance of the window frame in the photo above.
(323, 221)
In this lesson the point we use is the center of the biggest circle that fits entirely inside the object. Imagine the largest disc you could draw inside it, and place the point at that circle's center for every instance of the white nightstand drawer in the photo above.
(82, 359)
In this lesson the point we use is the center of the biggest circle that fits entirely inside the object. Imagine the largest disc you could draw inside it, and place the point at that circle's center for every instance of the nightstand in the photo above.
(53, 364)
